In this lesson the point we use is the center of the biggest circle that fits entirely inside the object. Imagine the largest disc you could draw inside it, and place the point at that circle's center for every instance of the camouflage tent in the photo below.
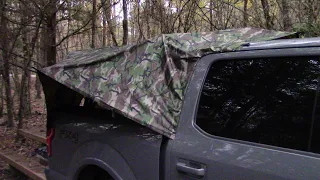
(146, 82)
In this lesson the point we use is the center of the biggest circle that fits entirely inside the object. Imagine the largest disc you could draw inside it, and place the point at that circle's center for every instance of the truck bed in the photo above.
(82, 133)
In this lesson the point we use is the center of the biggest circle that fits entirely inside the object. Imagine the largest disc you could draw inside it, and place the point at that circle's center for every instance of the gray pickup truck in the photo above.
(249, 113)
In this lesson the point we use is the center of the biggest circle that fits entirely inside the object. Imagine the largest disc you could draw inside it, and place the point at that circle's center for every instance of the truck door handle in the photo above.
(190, 170)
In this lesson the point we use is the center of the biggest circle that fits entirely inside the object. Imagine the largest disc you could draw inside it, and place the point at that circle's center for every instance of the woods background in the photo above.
(39, 33)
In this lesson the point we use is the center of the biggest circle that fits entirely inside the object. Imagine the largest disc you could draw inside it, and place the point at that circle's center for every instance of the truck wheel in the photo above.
(94, 173)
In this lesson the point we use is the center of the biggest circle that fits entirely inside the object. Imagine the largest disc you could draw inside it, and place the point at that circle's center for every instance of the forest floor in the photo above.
(22, 146)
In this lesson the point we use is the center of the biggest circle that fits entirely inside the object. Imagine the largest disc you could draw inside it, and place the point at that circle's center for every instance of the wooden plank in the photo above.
(33, 134)
(42, 160)
(29, 167)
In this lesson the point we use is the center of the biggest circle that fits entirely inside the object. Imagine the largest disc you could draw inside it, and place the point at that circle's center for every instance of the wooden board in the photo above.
(27, 166)
(34, 134)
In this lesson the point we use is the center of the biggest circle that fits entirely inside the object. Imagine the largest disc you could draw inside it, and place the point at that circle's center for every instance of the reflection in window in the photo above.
(268, 101)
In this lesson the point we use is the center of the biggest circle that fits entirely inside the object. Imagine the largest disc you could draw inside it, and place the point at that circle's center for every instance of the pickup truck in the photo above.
(252, 113)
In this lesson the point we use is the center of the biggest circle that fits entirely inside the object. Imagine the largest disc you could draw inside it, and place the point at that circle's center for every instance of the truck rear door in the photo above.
(251, 115)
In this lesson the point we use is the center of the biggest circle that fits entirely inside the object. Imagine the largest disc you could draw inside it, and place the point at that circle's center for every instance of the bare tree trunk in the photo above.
(132, 21)
(38, 88)
(285, 15)
(22, 99)
(40, 57)
(310, 17)
(8, 94)
(28, 91)
(16, 80)
(68, 29)
(24, 90)
(139, 25)
(190, 16)
(266, 12)
(152, 22)
(147, 16)
(1, 93)
(106, 15)
(28, 51)
(125, 23)
(211, 15)
(104, 30)
(93, 28)
(107, 7)
(163, 17)
(51, 49)
(258, 17)
(245, 13)
(5, 57)
(23, 94)
(220, 14)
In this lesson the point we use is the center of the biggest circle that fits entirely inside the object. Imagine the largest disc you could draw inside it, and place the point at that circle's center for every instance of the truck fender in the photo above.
(103, 156)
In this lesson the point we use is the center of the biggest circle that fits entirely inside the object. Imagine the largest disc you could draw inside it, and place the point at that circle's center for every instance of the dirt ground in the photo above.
(23, 146)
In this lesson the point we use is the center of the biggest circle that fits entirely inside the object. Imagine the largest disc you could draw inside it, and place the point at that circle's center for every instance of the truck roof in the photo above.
(282, 43)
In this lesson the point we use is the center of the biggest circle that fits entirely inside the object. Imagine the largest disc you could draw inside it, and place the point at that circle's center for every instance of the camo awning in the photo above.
(146, 82)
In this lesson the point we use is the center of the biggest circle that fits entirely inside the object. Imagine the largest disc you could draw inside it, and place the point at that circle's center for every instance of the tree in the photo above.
(266, 12)
(1, 94)
(125, 23)
(284, 8)
(25, 79)
(28, 54)
(50, 32)
(5, 57)
(104, 30)
(107, 6)
(211, 5)
(40, 57)
(245, 13)
(93, 28)
(147, 16)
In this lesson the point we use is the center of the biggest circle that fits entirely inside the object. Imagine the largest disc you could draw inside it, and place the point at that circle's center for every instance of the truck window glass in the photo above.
(314, 140)
(267, 101)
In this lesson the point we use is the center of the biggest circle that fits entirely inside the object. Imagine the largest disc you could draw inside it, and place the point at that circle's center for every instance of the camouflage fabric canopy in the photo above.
(146, 82)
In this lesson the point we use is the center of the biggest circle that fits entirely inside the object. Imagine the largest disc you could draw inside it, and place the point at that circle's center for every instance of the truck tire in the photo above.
(94, 173)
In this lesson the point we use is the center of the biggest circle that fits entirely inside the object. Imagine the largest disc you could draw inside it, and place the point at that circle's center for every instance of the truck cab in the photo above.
(251, 114)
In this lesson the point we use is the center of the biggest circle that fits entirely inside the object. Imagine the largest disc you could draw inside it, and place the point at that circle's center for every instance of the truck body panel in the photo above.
(93, 137)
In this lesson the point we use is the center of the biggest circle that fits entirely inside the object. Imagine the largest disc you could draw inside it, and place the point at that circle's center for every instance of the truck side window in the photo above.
(266, 101)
